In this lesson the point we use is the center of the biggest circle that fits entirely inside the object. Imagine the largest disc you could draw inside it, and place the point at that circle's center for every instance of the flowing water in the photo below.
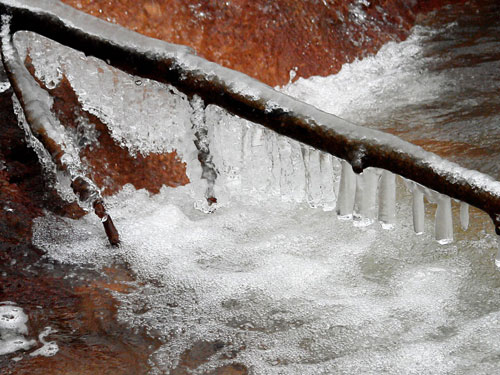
(439, 88)
(273, 278)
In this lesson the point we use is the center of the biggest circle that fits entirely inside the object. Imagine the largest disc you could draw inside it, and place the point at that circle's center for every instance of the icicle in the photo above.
(418, 210)
(497, 258)
(202, 143)
(292, 178)
(347, 191)
(257, 163)
(275, 172)
(313, 175)
(387, 200)
(286, 168)
(464, 215)
(366, 197)
(444, 221)
(328, 197)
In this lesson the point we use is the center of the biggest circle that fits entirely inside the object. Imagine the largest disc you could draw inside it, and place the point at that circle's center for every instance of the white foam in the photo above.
(48, 348)
(13, 328)
(303, 292)
(360, 91)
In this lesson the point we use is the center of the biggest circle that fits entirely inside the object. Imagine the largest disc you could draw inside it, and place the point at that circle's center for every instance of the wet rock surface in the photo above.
(80, 311)
(266, 40)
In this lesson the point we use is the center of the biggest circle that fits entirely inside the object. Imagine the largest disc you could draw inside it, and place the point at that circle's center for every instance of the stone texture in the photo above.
(266, 39)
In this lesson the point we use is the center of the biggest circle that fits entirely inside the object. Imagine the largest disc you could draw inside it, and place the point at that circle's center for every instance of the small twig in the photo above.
(35, 103)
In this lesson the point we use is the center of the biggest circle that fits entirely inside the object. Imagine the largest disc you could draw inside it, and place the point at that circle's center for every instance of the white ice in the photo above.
(13, 329)
(300, 290)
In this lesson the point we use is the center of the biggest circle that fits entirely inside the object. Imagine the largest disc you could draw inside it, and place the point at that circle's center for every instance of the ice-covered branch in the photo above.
(252, 100)
(35, 103)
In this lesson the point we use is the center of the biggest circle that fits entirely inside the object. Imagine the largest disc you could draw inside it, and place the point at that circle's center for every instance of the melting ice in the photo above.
(286, 287)
(13, 332)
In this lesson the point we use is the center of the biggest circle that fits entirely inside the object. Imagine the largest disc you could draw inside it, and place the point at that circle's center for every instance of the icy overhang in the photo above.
(252, 100)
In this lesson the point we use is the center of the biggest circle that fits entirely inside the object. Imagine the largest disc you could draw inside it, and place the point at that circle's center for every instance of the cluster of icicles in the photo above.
(268, 163)
(358, 196)
(242, 158)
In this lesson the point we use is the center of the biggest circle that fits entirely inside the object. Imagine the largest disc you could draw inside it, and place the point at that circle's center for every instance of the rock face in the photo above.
(261, 38)
(267, 39)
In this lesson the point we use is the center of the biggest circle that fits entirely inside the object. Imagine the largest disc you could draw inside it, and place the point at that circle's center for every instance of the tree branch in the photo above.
(253, 100)
(35, 103)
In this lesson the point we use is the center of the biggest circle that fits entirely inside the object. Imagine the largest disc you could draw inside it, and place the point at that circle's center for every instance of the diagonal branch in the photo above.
(253, 100)
(35, 103)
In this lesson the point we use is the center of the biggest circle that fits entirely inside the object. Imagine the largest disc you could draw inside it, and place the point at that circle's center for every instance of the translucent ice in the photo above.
(114, 96)
(418, 209)
(464, 215)
(347, 191)
(387, 199)
(366, 196)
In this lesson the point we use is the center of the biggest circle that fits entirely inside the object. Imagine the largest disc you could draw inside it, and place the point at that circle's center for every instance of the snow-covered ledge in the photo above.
(252, 100)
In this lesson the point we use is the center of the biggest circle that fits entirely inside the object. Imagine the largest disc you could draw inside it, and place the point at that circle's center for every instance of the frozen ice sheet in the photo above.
(299, 290)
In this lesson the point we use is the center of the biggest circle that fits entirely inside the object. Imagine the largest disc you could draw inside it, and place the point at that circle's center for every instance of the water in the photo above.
(13, 332)
(272, 277)
(437, 89)
(289, 289)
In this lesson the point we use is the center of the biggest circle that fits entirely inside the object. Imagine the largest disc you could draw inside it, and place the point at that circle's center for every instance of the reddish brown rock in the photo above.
(81, 313)
(266, 39)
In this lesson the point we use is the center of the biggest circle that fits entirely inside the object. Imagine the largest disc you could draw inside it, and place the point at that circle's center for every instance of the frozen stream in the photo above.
(287, 289)
(272, 276)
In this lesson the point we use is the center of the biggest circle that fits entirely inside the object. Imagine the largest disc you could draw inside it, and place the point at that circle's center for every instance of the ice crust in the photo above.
(301, 291)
